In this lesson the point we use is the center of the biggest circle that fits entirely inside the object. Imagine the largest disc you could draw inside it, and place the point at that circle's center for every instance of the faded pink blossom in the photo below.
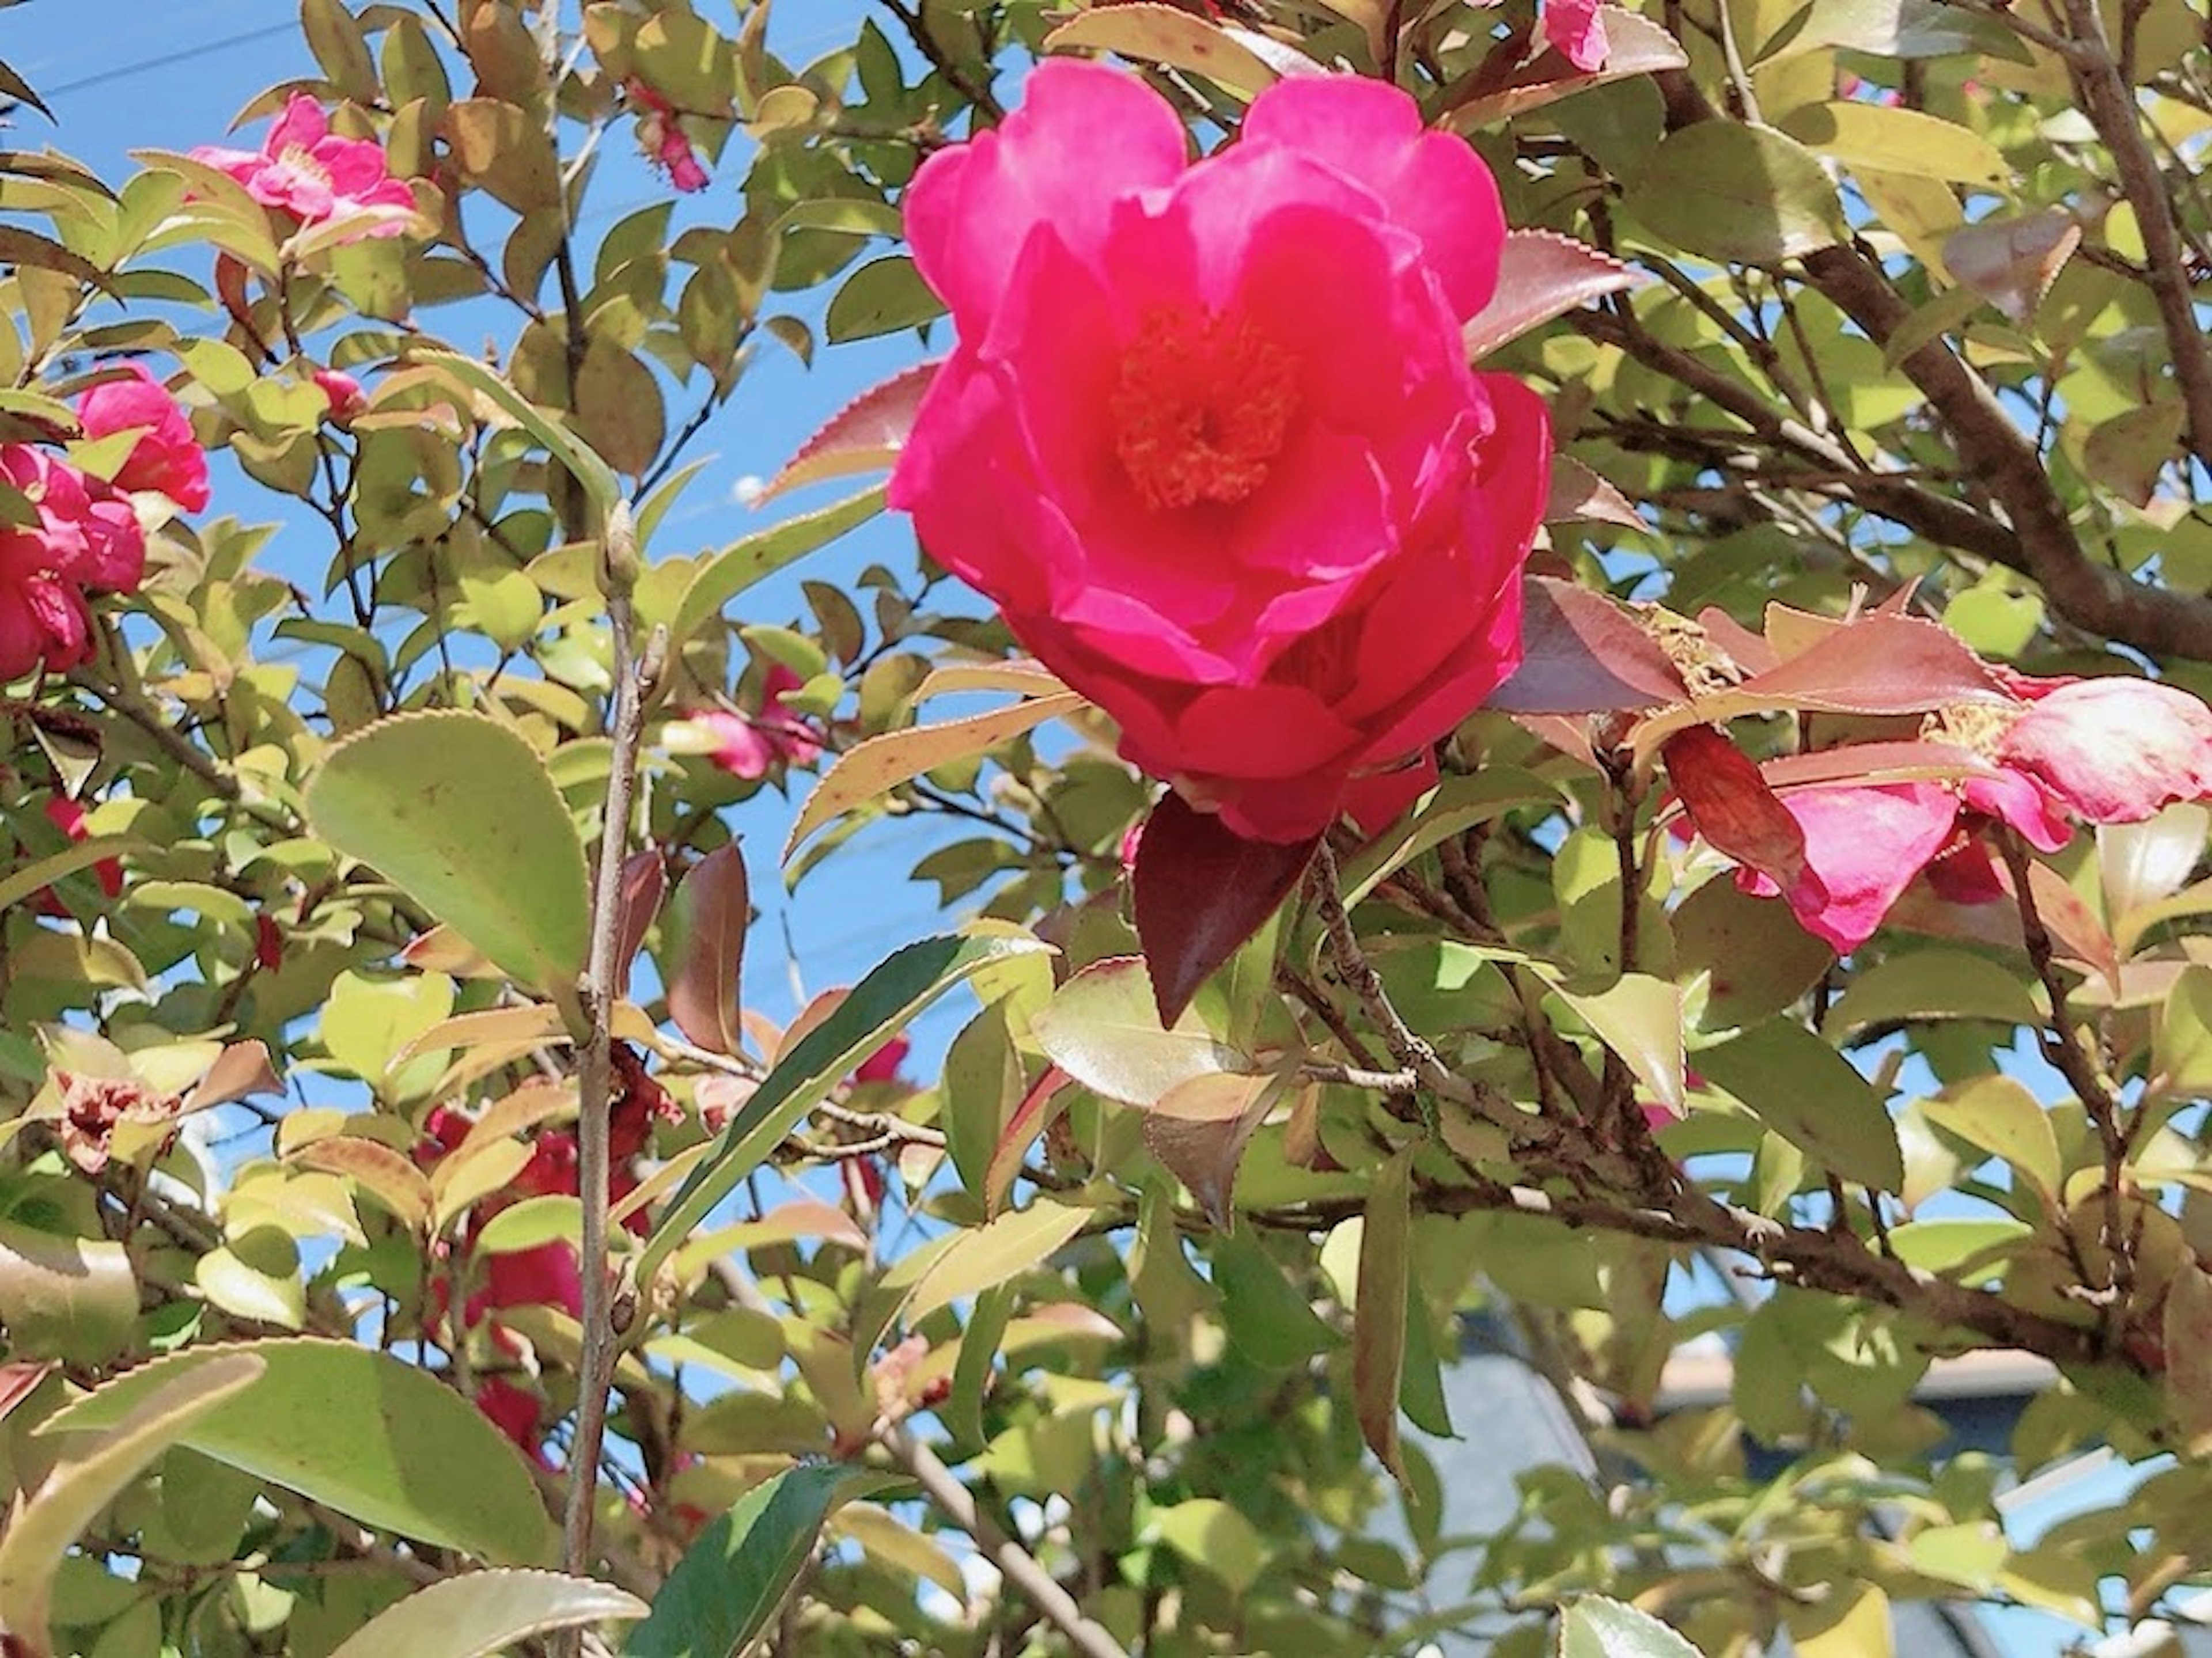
(662, 138)
(2114, 750)
(751, 746)
(344, 393)
(307, 171)
(1576, 27)
(1280, 552)
(167, 458)
(83, 539)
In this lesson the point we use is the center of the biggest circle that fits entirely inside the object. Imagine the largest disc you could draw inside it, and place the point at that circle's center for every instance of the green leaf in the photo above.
(487, 1611)
(1102, 1028)
(880, 764)
(879, 1006)
(43, 872)
(1741, 194)
(67, 1297)
(597, 478)
(1378, 1330)
(742, 563)
(1998, 1115)
(72, 1497)
(1269, 1323)
(1594, 1627)
(1934, 984)
(458, 812)
(992, 1253)
(1213, 1537)
(334, 35)
(1640, 1018)
(881, 298)
(2181, 1049)
(355, 1429)
(1898, 141)
(1807, 1093)
(728, 1585)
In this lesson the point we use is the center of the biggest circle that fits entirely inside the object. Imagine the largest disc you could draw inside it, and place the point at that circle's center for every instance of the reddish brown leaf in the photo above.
(1200, 1131)
(864, 436)
(1582, 653)
(242, 1068)
(716, 903)
(1721, 787)
(2012, 262)
(18, 1381)
(1029, 1120)
(1541, 275)
(1378, 1330)
(1880, 664)
(1201, 892)
(644, 880)
(1750, 653)
(1581, 496)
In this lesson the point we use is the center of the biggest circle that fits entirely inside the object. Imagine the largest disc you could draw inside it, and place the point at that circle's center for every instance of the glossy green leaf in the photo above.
(2181, 1046)
(1214, 1537)
(597, 478)
(1102, 1028)
(1640, 1018)
(1998, 1115)
(65, 1297)
(1934, 984)
(729, 1583)
(736, 567)
(458, 812)
(879, 1008)
(1594, 1627)
(1739, 194)
(84, 1483)
(1016, 1242)
(483, 1613)
(355, 1429)
(1809, 1093)
(881, 297)
(1378, 1330)
(1269, 1323)
(1860, 134)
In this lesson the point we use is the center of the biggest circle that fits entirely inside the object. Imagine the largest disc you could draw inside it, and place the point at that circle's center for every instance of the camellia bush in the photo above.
(1546, 658)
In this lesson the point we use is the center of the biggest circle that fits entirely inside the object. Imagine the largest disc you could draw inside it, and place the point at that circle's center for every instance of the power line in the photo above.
(206, 48)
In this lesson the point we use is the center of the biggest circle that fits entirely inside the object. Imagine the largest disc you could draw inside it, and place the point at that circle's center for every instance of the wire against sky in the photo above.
(206, 48)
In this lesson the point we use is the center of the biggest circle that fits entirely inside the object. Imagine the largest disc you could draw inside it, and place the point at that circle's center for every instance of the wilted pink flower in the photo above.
(662, 138)
(2114, 750)
(84, 538)
(307, 171)
(752, 745)
(1576, 27)
(345, 393)
(167, 458)
(1280, 551)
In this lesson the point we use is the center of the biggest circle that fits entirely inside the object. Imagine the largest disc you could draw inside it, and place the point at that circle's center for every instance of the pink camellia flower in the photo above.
(883, 1066)
(85, 538)
(1576, 27)
(662, 138)
(2115, 751)
(344, 391)
(167, 458)
(305, 169)
(751, 746)
(1280, 550)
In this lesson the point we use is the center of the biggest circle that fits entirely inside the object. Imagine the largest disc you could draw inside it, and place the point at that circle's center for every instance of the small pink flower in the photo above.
(751, 746)
(513, 1412)
(85, 538)
(167, 457)
(304, 169)
(1576, 27)
(662, 136)
(1281, 554)
(344, 393)
(883, 1066)
(67, 815)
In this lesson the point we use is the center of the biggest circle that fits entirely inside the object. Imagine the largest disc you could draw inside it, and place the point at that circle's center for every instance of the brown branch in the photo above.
(2110, 104)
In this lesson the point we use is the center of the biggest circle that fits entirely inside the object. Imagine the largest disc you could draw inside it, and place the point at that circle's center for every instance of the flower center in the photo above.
(299, 160)
(1976, 726)
(1200, 408)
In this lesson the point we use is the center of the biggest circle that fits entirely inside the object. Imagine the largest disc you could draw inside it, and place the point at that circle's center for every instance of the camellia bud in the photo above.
(618, 561)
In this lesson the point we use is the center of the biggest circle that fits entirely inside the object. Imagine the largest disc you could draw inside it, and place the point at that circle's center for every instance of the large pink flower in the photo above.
(84, 538)
(2114, 750)
(166, 457)
(309, 172)
(1209, 437)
